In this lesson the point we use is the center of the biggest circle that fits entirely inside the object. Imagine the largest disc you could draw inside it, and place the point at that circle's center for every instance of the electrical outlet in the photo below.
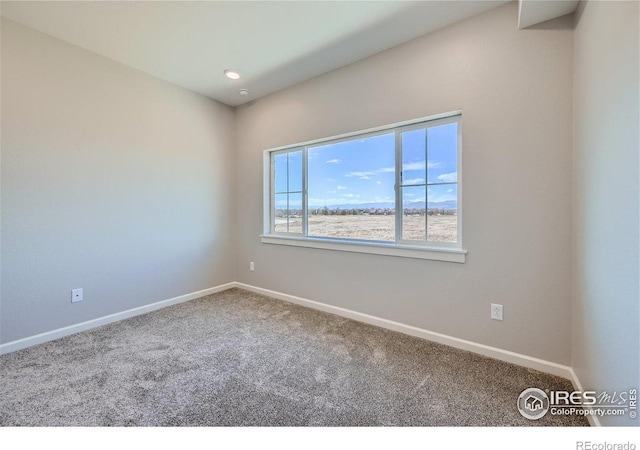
(252, 266)
(76, 295)
(496, 311)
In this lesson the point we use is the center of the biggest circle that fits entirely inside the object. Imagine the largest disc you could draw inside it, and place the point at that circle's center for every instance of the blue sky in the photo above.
(362, 171)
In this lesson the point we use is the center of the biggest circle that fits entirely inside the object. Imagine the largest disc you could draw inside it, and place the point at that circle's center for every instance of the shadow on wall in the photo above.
(561, 23)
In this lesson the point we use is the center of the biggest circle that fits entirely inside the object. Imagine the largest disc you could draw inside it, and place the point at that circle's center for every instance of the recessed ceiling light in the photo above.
(244, 92)
(231, 74)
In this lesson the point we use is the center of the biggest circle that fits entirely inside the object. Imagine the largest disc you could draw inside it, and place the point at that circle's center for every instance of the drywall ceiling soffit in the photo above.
(273, 45)
(533, 12)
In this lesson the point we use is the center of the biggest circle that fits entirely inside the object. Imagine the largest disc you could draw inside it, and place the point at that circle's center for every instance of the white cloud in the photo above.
(448, 177)
(378, 182)
(420, 165)
(370, 173)
(348, 195)
(331, 192)
(341, 188)
(359, 174)
(366, 175)
(414, 181)
(449, 191)
(334, 161)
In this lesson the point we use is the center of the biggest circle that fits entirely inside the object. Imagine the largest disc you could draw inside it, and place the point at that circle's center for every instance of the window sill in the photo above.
(456, 255)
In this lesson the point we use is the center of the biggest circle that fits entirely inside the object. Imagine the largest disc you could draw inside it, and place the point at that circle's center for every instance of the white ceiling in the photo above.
(272, 44)
(533, 12)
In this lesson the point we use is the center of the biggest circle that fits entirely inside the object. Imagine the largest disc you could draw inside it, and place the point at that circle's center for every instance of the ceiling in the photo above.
(272, 44)
(533, 12)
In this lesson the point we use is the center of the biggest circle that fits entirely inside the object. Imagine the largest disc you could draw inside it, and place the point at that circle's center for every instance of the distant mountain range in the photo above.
(449, 204)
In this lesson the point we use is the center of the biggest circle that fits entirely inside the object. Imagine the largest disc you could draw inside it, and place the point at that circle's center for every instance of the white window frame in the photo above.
(272, 188)
(441, 251)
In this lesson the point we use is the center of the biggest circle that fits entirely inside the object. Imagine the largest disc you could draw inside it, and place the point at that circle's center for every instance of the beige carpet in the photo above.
(241, 359)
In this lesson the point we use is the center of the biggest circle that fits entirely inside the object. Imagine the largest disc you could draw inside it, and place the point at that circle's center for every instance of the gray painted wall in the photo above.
(515, 90)
(606, 315)
(112, 180)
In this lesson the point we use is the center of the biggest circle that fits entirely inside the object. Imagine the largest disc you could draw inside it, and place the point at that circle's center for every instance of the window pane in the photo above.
(351, 186)
(295, 213)
(442, 219)
(351, 189)
(414, 157)
(280, 220)
(414, 222)
(295, 171)
(280, 172)
(442, 144)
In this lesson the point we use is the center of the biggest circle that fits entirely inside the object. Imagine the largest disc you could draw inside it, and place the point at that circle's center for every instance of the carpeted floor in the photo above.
(242, 359)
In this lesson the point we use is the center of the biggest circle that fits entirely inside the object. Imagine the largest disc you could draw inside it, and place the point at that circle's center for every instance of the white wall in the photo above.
(606, 314)
(112, 181)
(515, 90)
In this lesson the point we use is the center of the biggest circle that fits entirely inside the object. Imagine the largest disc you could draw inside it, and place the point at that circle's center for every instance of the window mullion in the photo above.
(443, 183)
(288, 193)
(426, 184)
(458, 184)
(398, 188)
(272, 184)
(305, 193)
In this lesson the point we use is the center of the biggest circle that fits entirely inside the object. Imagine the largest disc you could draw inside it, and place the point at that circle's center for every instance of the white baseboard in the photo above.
(76, 328)
(593, 419)
(492, 352)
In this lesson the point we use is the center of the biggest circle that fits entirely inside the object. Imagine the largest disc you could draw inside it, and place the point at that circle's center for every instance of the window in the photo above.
(393, 190)
(287, 189)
